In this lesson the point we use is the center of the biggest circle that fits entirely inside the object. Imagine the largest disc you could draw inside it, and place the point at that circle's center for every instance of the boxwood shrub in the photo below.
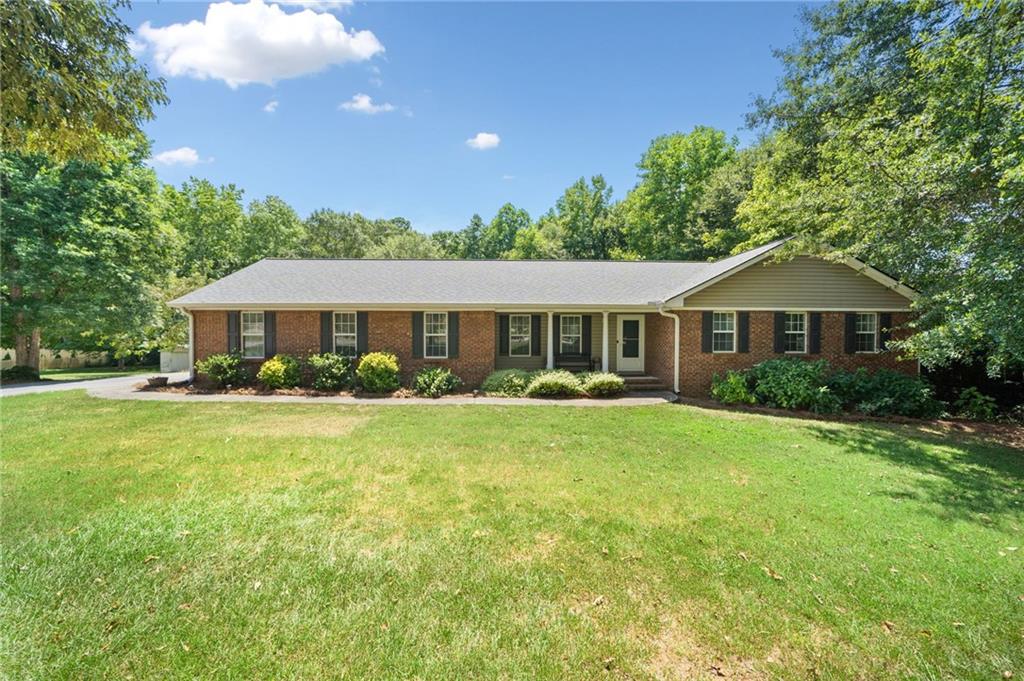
(506, 382)
(331, 371)
(602, 384)
(280, 371)
(378, 372)
(435, 381)
(224, 369)
(555, 383)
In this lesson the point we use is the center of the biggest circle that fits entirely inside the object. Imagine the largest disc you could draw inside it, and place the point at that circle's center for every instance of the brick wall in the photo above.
(659, 344)
(696, 368)
(211, 332)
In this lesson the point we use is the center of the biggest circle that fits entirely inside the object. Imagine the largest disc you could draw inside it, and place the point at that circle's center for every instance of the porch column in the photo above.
(551, 340)
(604, 341)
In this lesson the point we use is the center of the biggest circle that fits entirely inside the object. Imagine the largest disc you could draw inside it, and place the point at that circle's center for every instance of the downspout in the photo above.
(675, 345)
(191, 346)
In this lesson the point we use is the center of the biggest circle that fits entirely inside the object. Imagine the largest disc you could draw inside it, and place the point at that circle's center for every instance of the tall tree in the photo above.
(584, 216)
(70, 80)
(211, 222)
(84, 253)
(404, 245)
(659, 211)
(714, 212)
(272, 230)
(500, 235)
(899, 140)
(540, 241)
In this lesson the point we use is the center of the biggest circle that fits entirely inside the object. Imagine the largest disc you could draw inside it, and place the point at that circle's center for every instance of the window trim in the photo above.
(426, 335)
(529, 335)
(735, 332)
(561, 334)
(242, 334)
(786, 334)
(335, 334)
(874, 336)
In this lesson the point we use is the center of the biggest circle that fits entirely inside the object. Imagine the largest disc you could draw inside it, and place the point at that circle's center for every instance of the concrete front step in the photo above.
(637, 382)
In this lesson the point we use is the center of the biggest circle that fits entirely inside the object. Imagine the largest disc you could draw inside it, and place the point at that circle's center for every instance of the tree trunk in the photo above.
(21, 343)
(33, 350)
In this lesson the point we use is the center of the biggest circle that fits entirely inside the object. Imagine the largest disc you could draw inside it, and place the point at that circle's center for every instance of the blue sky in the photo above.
(569, 89)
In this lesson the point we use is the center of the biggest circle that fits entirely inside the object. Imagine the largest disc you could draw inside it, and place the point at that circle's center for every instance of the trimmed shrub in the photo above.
(892, 392)
(280, 371)
(435, 381)
(378, 372)
(733, 388)
(974, 404)
(19, 373)
(224, 369)
(507, 382)
(555, 383)
(331, 371)
(794, 384)
(601, 384)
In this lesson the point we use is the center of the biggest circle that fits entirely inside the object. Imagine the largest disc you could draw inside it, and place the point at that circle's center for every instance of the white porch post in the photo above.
(604, 341)
(551, 340)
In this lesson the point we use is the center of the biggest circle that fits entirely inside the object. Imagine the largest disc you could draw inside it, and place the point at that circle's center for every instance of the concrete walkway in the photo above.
(126, 391)
(116, 383)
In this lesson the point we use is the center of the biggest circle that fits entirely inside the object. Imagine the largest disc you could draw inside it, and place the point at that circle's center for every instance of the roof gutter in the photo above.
(660, 304)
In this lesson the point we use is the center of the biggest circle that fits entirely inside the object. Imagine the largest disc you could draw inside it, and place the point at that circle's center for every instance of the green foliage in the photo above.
(435, 381)
(404, 246)
(794, 384)
(584, 217)
(500, 235)
(71, 83)
(974, 404)
(540, 241)
(733, 388)
(280, 371)
(894, 393)
(331, 234)
(331, 371)
(602, 384)
(224, 369)
(378, 372)
(555, 383)
(19, 373)
(272, 230)
(211, 223)
(506, 382)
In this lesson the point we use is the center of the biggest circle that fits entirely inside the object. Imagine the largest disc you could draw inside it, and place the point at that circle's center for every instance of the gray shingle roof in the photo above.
(474, 283)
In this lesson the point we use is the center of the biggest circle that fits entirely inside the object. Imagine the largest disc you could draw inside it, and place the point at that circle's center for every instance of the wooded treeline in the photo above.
(895, 135)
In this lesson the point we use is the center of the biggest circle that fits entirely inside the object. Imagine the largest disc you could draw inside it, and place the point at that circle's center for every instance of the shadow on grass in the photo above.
(969, 480)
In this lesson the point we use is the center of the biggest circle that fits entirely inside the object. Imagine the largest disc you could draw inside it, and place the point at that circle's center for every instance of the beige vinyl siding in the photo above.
(803, 283)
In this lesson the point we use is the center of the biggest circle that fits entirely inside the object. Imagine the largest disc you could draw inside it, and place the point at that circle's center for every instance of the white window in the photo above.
(252, 335)
(723, 332)
(435, 334)
(519, 335)
(345, 333)
(571, 334)
(796, 332)
(866, 329)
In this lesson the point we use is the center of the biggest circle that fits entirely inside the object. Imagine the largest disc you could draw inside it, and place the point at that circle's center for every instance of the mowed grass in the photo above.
(176, 540)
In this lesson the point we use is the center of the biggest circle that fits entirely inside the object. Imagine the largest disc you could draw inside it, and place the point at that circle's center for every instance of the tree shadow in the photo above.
(967, 479)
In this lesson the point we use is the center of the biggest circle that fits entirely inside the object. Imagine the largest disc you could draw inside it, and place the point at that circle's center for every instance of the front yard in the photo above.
(162, 540)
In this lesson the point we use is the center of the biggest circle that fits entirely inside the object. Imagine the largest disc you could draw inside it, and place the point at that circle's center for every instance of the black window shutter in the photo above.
(362, 331)
(705, 331)
(850, 333)
(884, 329)
(503, 335)
(535, 335)
(326, 332)
(269, 334)
(585, 341)
(780, 332)
(814, 342)
(234, 331)
(453, 335)
(743, 322)
(557, 321)
(417, 334)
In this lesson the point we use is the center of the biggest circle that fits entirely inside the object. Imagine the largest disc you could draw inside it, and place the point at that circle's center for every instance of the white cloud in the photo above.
(255, 43)
(361, 103)
(508, 177)
(271, 106)
(318, 5)
(484, 140)
(182, 156)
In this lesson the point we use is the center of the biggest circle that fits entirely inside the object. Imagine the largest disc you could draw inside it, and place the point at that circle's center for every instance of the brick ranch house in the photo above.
(662, 324)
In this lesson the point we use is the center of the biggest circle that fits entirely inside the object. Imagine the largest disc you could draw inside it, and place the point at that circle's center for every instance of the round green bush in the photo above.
(224, 369)
(280, 371)
(435, 381)
(733, 388)
(556, 383)
(378, 372)
(795, 384)
(602, 384)
(331, 371)
(506, 382)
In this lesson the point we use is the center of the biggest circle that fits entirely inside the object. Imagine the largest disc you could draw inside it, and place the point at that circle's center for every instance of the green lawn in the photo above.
(170, 540)
(86, 373)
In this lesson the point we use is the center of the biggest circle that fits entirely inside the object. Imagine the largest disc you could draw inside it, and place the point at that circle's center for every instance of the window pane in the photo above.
(252, 346)
(436, 323)
(571, 345)
(794, 322)
(572, 325)
(345, 345)
(722, 342)
(519, 345)
(723, 321)
(345, 322)
(252, 322)
(795, 342)
(520, 324)
(866, 322)
(437, 346)
(865, 342)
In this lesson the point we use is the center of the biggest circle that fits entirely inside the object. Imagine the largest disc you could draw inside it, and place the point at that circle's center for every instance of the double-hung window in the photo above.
(796, 332)
(252, 335)
(723, 332)
(519, 335)
(435, 335)
(571, 334)
(345, 333)
(866, 332)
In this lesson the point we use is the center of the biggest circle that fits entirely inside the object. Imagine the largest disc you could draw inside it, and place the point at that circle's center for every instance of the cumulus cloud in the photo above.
(182, 156)
(318, 5)
(361, 103)
(484, 140)
(255, 43)
(271, 106)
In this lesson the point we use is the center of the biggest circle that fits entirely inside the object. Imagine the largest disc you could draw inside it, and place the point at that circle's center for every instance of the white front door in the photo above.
(630, 344)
